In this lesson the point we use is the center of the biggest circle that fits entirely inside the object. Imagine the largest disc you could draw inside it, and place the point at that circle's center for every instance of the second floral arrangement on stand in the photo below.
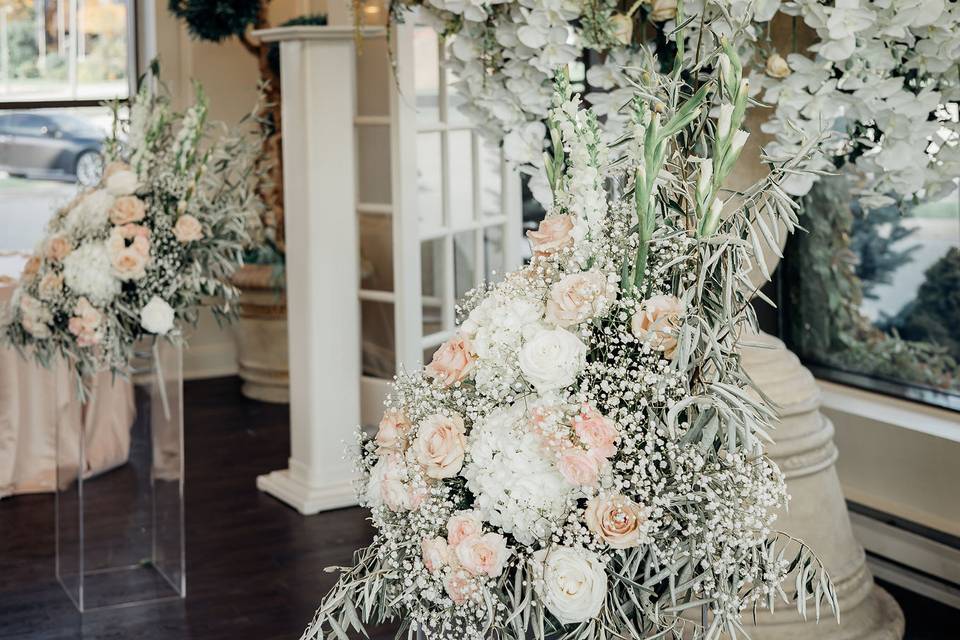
(584, 458)
(139, 253)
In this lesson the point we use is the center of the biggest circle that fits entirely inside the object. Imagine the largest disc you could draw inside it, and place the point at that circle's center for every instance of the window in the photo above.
(65, 50)
(873, 299)
(60, 60)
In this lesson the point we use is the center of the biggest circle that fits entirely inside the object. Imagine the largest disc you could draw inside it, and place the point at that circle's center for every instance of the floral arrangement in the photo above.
(503, 55)
(584, 458)
(136, 255)
(885, 79)
(904, 73)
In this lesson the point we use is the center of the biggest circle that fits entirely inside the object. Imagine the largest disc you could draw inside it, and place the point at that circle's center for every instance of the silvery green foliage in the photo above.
(584, 458)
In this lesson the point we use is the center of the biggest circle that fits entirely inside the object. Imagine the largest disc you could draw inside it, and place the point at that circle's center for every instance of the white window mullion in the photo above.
(511, 207)
(479, 250)
(407, 267)
(449, 283)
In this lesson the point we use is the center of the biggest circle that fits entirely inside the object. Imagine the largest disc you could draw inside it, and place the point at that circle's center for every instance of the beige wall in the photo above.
(228, 74)
(226, 70)
(900, 471)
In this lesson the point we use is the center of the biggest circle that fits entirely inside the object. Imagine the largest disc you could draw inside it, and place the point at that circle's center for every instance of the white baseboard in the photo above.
(304, 498)
(209, 360)
(912, 581)
(910, 560)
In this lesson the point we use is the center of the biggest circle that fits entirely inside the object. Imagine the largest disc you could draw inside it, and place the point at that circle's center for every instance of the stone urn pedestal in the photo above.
(261, 335)
(817, 513)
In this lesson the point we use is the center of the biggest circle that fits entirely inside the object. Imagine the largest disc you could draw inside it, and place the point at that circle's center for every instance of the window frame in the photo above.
(134, 64)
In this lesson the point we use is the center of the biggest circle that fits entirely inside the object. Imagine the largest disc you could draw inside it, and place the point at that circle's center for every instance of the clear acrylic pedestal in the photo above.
(120, 534)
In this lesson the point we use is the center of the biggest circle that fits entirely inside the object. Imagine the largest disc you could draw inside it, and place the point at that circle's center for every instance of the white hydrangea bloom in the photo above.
(515, 482)
(89, 272)
(90, 214)
(496, 329)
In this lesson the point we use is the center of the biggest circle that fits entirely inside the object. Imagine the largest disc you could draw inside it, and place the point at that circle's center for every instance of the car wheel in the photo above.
(89, 168)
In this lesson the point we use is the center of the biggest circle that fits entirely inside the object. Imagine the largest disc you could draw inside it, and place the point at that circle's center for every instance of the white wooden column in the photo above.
(322, 264)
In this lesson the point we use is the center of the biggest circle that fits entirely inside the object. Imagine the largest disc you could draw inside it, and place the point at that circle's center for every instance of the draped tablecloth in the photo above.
(33, 399)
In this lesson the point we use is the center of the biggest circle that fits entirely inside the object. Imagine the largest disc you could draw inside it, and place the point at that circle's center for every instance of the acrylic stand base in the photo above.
(120, 533)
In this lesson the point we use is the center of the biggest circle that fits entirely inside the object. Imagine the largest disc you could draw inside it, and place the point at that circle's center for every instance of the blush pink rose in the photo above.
(416, 496)
(394, 489)
(657, 323)
(555, 233)
(131, 231)
(129, 264)
(436, 553)
(578, 297)
(51, 284)
(395, 494)
(452, 362)
(187, 229)
(30, 269)
(440, 445)
(113, 168)
(392, 431)
(129, 260)
(617, 520)
(35, 316)
(463, 525)
(127, 209)
(459, 586)
(85, 323)
(141, 245)
(579, 468)
(596, 431)
(58, 247)
(483, 554)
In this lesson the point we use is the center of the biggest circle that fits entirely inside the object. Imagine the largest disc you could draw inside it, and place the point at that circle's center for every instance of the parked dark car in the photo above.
(51, 145)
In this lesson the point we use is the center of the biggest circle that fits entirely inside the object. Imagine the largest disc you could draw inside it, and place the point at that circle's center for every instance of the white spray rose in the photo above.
(573, 583)
(157, 316)
(122, 183)
(552, 358)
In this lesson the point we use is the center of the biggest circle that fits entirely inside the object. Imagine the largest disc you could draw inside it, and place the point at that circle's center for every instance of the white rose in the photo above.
(374, 493)
(552, 358)
(573, 583)
(387, 486)
(121, 183)
(157, 316)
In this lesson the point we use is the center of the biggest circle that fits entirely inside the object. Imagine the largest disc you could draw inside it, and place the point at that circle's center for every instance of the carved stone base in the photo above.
(817, 513)
(261, 337)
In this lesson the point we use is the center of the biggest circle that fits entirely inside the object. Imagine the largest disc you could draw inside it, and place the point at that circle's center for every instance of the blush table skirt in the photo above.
(33, 399)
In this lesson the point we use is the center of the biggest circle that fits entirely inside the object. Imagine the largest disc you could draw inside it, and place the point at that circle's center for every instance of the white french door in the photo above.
(438, 206)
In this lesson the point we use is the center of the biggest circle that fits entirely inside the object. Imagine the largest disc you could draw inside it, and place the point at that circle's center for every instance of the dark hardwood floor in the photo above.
(254, 566)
